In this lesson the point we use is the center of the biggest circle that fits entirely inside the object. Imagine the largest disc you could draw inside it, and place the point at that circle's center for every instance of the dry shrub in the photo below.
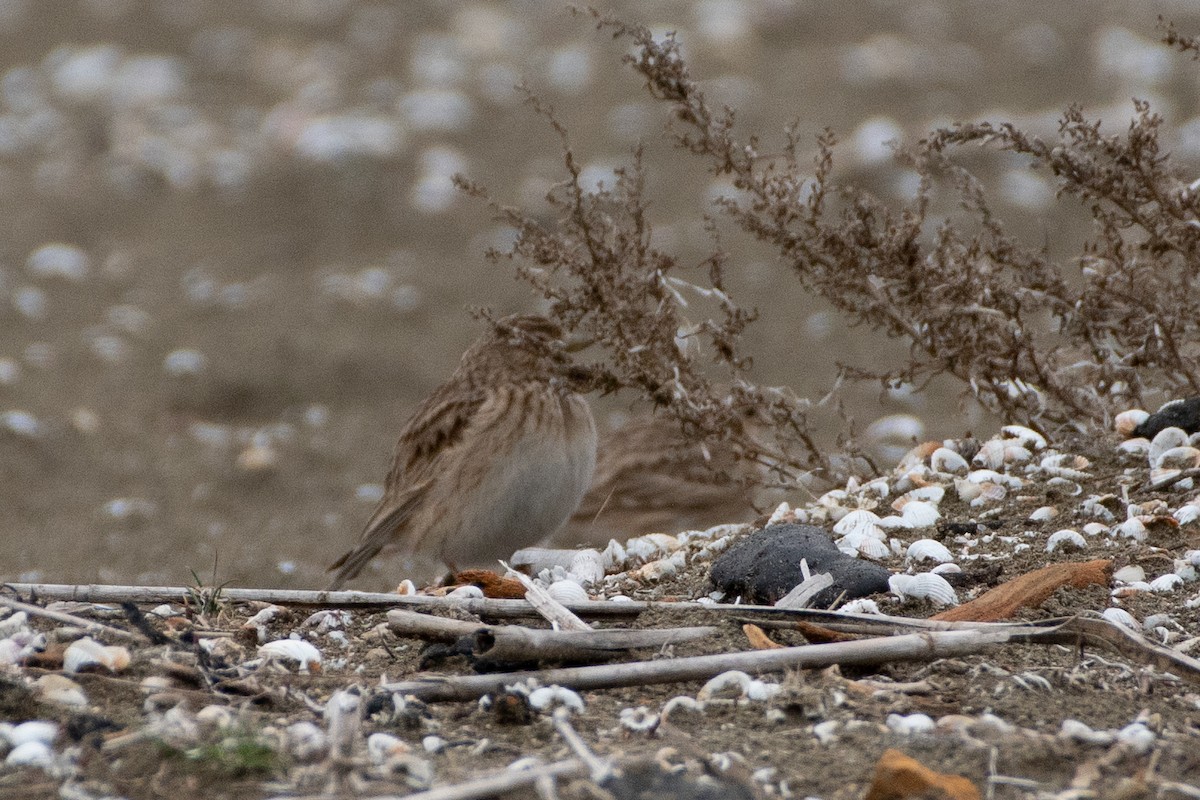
(1034, 340)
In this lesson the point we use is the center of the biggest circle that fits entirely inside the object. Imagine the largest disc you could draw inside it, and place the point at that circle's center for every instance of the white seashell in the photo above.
(383, 747)
(1137, 738)
(1187, 513)
(989, 493)
(468, 592)
(297, 651)
(638, 720)
(946, 460)
(1129, 574)
(1121, 617)
(967, 490)
(88, 654)
(1044, 514)
(60, 690)
(932, 494)
(859, 521)
(995, 453)
(546, 698)
(614, 555)
(949, 568)
(1073, 730)
(1157, 620)
(1026, 436)
(567, 592)
(650, 546)
(781, 513)
(861, 605)
(656, 570)
(1164, 440)
(33, 731)
(1095, 528)
(1126, 421)
(30, 754)
(1064, 486)
(216, 716)
(760, 691)
(1166, 583)
(721, 685)
(587, 566)
(865, 545)
(920, 514)
(1066, 538)
(1185, 457)
(907, 725)
(1137, 446)
(1065, 465)
(434, 744)
(826, 732)
(1132, 528)
(306, 741)
(928, 550)
(924, 585)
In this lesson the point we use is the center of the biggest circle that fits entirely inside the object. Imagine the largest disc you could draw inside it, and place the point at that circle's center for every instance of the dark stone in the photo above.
(1175, 414)
(765, 566)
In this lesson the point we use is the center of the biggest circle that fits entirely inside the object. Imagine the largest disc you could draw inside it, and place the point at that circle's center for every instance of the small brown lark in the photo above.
(496, 459)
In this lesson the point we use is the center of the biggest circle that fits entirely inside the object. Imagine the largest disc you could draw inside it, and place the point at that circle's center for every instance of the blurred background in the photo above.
(233, 260)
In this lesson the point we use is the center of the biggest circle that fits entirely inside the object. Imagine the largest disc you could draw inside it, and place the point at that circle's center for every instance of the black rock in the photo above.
(765, 566)
(1175, 414)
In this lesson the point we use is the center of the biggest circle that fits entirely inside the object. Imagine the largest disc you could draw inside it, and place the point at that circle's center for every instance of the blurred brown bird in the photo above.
(496, 459)
(650, 478)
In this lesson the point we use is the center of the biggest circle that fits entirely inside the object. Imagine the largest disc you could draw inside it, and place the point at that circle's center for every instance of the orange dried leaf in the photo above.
(898, 777)
(491, 584)
(758, 638)
(1029, 590)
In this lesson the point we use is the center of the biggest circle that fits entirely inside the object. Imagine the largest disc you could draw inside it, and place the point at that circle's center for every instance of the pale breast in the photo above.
(530, 487)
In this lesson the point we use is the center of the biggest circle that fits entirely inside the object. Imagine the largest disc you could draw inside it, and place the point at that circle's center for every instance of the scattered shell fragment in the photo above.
(946, 460)
(86, 655)
(547, 698)
(929, 550)
(1044, 514)
(924, 586)
(1066, 538)
(295, 651)
(1127, 421)
(567, 592)
(1166, 440)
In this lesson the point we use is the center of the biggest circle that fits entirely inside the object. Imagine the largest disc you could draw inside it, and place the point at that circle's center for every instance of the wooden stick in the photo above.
(513, 643)
(403, 622)
(909, 647)
(91, 626)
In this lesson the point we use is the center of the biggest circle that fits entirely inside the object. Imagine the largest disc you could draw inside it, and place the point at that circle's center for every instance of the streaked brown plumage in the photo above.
(496, 459)
(650, 478)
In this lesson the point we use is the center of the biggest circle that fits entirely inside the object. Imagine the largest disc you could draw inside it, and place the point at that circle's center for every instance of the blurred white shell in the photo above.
(1044, 514)
(909, 724)
(1129, 574)
(1165, 440)
(929, 550)
(61, 690)
(296, 651)
(306, 741)
(567, 592)
(88, 654)
(1065, 465)
(1126, 421)
(382, 747)
(36, 730)
(1138, 446)
(1166, 583)
(861, 605)
(1184, 457)
(946, 460)
(864, 544)
(924, 586)
(920, 514)
(989, 493)
(1132, 528)
(549, 697)
(1026, 436)
(1064, 486)
(1187, 513)
(30, 754)
(638, 719)
(721, 685)
(1121, 617)
(995, 453)
(1065, 538)
(858, 521)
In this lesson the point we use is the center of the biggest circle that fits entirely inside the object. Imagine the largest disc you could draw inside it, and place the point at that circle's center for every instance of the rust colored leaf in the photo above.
(758, 638)
(898, 777)
(491, 584)
(1029, 590)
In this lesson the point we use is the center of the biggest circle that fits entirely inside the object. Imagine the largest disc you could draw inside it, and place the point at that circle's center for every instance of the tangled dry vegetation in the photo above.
(1035, 340)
